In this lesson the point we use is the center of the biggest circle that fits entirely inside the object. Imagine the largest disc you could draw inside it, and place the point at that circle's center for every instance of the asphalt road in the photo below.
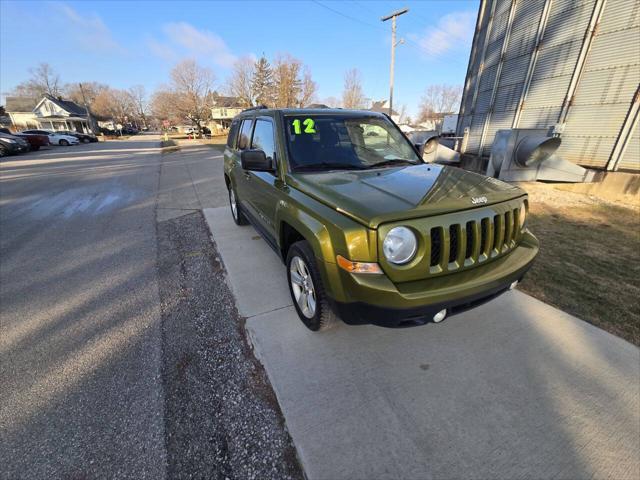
(80, 359)
(122, 354)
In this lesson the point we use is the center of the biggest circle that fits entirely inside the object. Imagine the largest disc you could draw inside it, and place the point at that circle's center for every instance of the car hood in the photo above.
(373, 197)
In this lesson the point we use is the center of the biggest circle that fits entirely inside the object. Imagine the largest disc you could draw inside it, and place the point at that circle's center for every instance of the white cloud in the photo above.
(453, 32)
(89, 30)
(183, 39)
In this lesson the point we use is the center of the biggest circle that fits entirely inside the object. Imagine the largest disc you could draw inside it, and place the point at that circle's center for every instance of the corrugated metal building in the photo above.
(570, 65)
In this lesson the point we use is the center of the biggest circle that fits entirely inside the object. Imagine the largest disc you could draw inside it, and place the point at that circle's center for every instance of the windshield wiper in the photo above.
(328, 166)
(392, 161)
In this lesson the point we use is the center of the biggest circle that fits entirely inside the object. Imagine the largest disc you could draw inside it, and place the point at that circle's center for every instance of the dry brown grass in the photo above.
(589, 261)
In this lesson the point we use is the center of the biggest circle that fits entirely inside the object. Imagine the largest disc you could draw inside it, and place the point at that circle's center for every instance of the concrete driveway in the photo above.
(514, 388)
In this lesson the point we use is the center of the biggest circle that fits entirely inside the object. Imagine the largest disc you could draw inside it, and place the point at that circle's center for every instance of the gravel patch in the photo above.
(222, 418)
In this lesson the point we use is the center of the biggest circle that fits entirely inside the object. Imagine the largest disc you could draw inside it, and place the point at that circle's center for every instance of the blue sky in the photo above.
(128, 43)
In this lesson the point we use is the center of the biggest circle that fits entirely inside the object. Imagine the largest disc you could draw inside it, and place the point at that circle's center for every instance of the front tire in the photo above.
(307, 290)
(236, 209)
(64, 143)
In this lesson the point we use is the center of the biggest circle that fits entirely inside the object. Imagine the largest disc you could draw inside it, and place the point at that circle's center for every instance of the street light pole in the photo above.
(394, 44)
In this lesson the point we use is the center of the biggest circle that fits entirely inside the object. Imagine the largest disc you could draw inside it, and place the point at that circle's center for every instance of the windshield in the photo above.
(325, 142)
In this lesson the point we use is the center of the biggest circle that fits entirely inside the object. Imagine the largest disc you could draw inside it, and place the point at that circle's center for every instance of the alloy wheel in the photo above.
(232, 202)
(302, 287)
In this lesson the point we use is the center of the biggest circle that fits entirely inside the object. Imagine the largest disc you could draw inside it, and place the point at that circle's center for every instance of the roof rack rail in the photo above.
(257, 107)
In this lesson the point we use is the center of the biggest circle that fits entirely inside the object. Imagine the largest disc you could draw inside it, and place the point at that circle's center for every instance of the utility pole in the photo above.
(394, 44)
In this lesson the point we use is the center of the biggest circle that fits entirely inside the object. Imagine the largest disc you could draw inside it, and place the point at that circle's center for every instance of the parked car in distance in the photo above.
(12, 145)
(368, 232)
(55, 138)
(35, 141)
(83, 137)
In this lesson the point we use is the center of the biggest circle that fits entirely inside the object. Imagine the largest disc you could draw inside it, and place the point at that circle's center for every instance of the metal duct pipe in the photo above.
(535, 149)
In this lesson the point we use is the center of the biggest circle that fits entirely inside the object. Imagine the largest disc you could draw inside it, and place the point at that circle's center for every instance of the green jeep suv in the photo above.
(367, 230)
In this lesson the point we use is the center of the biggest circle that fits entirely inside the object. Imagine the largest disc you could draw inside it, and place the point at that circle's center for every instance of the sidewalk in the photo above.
(514, 388)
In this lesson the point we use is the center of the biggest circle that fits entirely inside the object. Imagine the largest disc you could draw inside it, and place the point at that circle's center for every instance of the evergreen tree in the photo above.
(262, 83)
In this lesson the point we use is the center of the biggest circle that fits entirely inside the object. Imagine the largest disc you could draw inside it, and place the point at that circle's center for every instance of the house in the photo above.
(383, 107)
(50, 113)
(222, 112)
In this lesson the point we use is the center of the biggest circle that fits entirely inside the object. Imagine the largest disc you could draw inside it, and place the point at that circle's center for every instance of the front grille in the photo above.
(474, 241)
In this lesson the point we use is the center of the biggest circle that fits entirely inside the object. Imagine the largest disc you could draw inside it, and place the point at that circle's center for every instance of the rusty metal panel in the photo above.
(568, 21)
(596, 120)
(605, 90)
(492, 56)
(525, 26)
(499, 23)
(608, 86)
(585, 150)
(514, 70)
(631, 158)
(549, 93)
(539, 117)
(507, 100)
(623, 14)
(619, 47)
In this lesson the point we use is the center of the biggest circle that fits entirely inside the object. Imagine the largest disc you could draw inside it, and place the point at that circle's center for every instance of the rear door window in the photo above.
(245, 134)
(263, 138)
(233, 135)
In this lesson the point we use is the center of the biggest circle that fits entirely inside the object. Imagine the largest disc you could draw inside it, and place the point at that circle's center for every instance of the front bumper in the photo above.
(374, 299)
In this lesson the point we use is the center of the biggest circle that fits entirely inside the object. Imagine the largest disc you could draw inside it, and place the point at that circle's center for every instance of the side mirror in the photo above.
(255, 160)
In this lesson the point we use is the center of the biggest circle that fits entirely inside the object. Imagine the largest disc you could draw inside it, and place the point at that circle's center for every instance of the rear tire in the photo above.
(35, 148)
(85, 140)
(305, 283)
(64, 143)
(236, 209)
(3, 151)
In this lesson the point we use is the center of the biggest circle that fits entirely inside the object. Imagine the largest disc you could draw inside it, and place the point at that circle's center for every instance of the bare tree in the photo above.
(439, 100)
(192, 86)
(240, 84)
(163, 106)
(91, 90)
(353, 95)
(44, 80)
(115, 104)
(308, 88)
(140, 102)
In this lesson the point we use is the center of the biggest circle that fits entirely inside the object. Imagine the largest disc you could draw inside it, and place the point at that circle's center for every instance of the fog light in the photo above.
(438, 317)
(513, 285)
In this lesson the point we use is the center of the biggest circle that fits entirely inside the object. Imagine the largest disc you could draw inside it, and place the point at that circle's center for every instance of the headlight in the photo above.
(522, 217)
(400, 245)
(7, 140)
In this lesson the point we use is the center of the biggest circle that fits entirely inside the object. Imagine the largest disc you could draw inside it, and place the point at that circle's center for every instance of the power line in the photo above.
(362, 22)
